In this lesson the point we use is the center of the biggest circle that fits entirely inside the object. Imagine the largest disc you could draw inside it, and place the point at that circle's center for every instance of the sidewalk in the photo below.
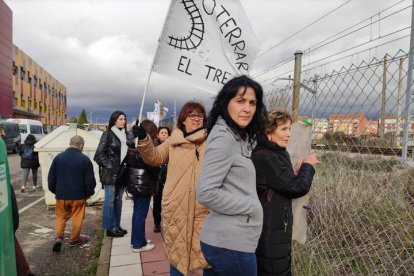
(123, 262)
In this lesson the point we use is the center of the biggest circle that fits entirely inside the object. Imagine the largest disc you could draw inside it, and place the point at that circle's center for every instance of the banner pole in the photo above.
(152, 65)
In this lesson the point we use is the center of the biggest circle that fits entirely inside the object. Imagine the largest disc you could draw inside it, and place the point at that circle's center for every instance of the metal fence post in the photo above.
(383, 98)
(400, 77)
(296, 84)
(407, 117)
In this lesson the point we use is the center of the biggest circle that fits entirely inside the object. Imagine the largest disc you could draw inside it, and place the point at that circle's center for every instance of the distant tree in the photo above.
(73, 119)
(82, 117)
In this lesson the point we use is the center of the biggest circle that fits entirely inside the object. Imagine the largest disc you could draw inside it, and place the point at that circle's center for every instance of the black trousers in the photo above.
(156, 207)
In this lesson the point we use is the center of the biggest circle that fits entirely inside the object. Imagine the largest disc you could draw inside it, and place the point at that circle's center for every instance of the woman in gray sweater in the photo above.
(227, 183)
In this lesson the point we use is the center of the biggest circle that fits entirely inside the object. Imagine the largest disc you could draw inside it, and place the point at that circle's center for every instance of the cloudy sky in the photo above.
(101, 50)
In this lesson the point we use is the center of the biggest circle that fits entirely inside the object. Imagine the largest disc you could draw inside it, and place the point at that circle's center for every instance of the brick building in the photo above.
(6, 60)
(352, 124)
(37, 94)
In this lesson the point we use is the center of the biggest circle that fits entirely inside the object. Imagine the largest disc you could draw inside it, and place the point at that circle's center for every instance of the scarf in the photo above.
(122, 137)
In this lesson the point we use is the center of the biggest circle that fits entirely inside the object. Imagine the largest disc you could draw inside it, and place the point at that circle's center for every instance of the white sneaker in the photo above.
(148, 241)
(34, 188)
(148, 247)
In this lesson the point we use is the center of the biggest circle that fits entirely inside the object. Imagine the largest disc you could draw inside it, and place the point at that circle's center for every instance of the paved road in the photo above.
(36, 231)
(16, 173)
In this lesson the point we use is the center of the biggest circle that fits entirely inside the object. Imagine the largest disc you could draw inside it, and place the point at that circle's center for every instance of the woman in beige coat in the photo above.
(182, 215)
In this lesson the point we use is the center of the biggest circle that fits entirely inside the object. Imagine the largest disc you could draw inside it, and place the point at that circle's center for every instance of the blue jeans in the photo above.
(229, 262)
(112, 207)
(175, 272)
(141, 206)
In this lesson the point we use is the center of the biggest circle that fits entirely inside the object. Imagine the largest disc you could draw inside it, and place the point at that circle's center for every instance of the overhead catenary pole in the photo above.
(315, 87)
(383, 98)
(400, 73)
(408, 91)
(296, 84)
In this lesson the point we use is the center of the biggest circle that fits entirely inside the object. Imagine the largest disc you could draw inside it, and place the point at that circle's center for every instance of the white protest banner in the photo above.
(205, 43)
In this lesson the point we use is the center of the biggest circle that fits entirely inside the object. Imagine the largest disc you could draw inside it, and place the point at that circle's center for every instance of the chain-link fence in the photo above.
(362, 199)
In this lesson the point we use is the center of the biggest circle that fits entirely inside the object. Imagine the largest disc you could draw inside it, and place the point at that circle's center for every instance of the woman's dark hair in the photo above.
(186, 110)
(30, 138)
(164, 127)
(114, 116)
(228, 92)
(150, 128)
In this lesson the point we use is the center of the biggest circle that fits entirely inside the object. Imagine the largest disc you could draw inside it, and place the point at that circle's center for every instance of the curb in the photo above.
(104, 257)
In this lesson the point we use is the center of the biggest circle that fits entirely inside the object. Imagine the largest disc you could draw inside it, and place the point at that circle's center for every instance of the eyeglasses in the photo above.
(193, 116)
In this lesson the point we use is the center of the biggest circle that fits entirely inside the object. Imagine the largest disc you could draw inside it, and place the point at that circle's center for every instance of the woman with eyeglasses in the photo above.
(182, 215)
(227, 183)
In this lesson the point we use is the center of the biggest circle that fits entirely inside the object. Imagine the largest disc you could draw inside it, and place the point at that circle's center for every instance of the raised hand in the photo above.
(139, 131)
(311, 159)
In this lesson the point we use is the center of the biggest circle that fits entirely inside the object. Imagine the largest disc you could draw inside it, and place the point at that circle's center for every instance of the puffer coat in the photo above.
(182, 214)
(139, 177)
(277, 185)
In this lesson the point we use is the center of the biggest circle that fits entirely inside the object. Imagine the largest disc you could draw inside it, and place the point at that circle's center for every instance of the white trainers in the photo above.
(148, 241)
(34, 188)
(148, 247)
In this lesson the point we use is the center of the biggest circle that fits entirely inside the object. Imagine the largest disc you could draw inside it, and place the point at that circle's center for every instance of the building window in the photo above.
(14, 69)
(22, 73)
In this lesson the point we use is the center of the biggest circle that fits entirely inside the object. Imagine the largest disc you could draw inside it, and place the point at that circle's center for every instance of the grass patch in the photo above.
(91, 270)
(362, 218)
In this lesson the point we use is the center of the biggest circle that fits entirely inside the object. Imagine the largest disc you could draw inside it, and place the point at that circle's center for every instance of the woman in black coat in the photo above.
(140, 179)
(277, 184)
(29, 161)
(163, 134)
(110, 155)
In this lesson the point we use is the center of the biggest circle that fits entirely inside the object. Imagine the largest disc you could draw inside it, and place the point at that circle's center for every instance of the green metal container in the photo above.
(7, 252)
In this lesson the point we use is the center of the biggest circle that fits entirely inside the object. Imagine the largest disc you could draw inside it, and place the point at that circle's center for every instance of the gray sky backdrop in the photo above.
(101, 50)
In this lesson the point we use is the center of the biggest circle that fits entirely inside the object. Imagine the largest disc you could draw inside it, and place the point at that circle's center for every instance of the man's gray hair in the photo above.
(77, 141)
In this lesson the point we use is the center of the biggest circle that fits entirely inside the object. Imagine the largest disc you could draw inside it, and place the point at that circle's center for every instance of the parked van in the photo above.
(28, 126)
(12, 137)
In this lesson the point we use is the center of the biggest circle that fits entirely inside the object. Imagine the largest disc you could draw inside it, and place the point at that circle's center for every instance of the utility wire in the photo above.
(319, 65)
(274, 66)
(304, 28)
(310, 48)
(359, 45)
(382, 11)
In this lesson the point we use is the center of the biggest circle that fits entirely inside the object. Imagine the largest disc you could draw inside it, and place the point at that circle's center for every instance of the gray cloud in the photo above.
(101, 50)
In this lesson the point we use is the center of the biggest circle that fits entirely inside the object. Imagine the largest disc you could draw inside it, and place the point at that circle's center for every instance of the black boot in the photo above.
(157, 229)
(114, 233)
(122, 230)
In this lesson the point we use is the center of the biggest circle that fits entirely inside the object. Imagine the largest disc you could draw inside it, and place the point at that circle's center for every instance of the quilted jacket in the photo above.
(182, 214)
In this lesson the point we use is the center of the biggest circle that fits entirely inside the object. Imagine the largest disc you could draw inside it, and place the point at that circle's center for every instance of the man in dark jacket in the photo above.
(71, 179)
